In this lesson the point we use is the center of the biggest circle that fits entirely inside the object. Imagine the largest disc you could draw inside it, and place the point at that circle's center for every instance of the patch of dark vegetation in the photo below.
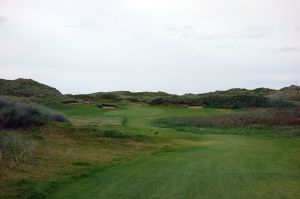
(81, 163)
(70, 102)
(221, 101)
(13, 148)
(257, 118)
(111, 134)
(242, 101)
(157, 101)
(118, 134)
(175, 100)
(15, 114)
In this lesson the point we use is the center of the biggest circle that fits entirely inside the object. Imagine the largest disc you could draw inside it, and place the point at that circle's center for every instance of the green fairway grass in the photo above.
(219, 166)
(202, 162)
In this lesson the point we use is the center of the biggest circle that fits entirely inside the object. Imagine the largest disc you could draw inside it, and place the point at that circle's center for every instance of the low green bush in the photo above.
(14, 114)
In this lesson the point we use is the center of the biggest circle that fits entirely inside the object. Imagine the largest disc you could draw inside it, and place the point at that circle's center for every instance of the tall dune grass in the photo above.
(249, 118)
(13, 148)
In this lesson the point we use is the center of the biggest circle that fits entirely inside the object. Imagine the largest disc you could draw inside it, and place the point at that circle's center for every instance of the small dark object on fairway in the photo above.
(156, 133)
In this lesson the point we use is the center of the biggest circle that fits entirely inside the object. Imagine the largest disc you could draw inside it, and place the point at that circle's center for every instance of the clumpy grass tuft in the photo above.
(13, 149)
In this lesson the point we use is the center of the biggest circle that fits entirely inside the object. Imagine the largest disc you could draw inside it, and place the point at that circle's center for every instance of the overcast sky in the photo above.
(178, 46)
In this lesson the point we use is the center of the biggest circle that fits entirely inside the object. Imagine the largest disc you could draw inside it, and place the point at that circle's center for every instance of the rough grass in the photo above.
(99, 121)
(14, 114)
(224, 166)
(118, 134)
(250, 118)
(13, 149)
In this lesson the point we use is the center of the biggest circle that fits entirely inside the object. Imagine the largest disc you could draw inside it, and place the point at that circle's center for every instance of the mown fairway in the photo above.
(201, 166)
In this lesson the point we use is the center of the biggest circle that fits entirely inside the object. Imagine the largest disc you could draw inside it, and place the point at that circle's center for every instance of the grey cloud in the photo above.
(188, 27)
(182, 31)
(179, 29)
(79, 25)
(249, 33)
(233, 35)
(286, 49)
(190, 31)
(173, 29)
(224, 47)
(207, 36)
(3, 19)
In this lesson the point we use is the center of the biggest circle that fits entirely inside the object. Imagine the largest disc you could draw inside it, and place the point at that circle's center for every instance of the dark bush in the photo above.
(242, 101)
(157, 101)
(14, 114)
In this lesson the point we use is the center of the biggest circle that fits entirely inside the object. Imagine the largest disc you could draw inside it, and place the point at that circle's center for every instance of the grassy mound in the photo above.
(14, 114)
(291, 93)
(26, 88)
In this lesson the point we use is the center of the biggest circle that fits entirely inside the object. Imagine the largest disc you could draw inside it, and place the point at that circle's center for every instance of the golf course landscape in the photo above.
(123, 148)
(150, 99)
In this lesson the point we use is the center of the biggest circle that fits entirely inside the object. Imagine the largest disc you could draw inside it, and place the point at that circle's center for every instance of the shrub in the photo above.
(14, 114)
(157, 101)
(13, 148)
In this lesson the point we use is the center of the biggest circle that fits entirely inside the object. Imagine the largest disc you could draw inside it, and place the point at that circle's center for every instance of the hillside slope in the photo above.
(291, 93)
(26, 88)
